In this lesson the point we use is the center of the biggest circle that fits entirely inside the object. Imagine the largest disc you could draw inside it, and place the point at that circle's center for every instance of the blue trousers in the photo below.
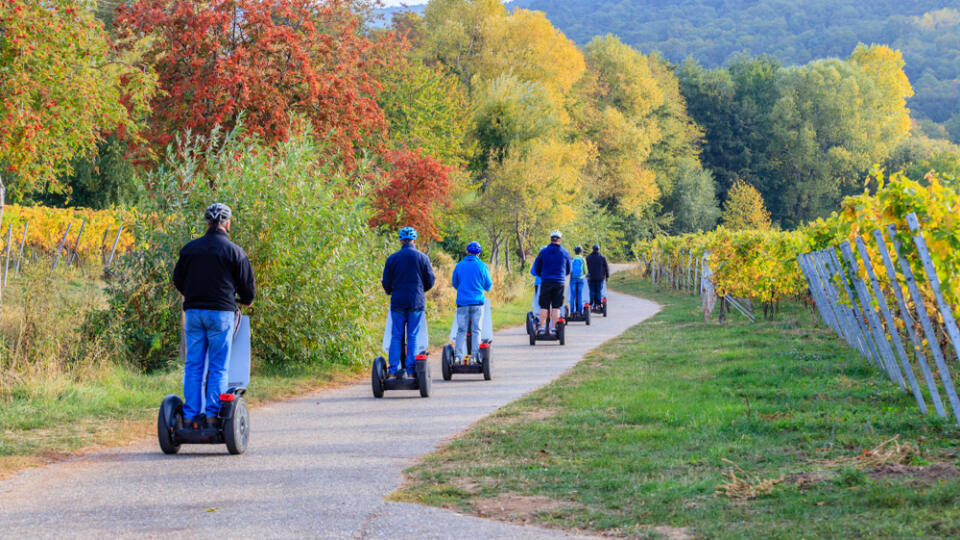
(596, 292)
(576, 295)
(469, 319)
(209, 334)
(409, 320)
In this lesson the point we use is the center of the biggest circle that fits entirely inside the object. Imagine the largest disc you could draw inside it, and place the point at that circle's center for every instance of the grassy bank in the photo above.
(636, 440)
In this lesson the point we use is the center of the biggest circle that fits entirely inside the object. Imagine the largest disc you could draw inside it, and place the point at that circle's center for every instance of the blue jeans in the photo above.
(596, 292)
(209, 334)
(411, 321)
(576, 295)
(469, 319)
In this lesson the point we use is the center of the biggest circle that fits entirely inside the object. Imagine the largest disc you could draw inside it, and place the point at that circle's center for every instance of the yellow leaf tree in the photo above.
(744, 208)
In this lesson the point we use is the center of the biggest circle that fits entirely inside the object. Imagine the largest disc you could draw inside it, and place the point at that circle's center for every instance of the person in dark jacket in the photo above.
(407, 275)
(597, 273)
(471, 279)
(552, 266)
(213, 274)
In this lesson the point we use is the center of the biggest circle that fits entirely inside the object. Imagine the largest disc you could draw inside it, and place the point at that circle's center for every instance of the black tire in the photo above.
(165, 435)
(423, 377)
(586, 316)
(533, 338)
(377, 377)
(446, 359)
(236, 429)
(530, 325)
(485, 358)
(562, 333)
(604, 309)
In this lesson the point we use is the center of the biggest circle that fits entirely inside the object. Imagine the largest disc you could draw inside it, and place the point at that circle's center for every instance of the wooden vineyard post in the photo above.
(23, 241)
(56, 257)
(908, 324)
(891, 326)
(927, 326)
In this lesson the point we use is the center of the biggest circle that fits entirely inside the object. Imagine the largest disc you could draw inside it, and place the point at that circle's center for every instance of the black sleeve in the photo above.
(243, 277)
(606, 268)
(427, 274)
(180, 274)
(387, 280)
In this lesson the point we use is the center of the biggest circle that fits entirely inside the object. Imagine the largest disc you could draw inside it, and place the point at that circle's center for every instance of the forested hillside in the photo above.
(715, 31)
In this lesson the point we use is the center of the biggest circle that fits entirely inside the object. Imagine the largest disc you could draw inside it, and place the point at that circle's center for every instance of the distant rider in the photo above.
(597, 273)
(407, 275)
(213, 274)
(471, 279)
(552, 266)
(578, 273)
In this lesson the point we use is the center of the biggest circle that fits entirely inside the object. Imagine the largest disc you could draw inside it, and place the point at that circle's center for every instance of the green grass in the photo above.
(637, 437)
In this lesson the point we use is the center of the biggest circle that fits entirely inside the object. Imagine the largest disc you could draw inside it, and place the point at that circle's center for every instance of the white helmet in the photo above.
(556, 234)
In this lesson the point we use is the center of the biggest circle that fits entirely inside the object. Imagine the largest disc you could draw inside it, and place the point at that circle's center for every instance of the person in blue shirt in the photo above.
(471, 279)
(578, 273)
(552, 266)
(407, 275)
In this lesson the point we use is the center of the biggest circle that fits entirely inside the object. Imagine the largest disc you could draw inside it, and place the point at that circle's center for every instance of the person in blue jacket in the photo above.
(407, 275)
(578, 274)
(552, 266)
(471, 279)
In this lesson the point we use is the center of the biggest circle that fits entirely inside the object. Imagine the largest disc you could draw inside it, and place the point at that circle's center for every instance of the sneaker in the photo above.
(195, 423)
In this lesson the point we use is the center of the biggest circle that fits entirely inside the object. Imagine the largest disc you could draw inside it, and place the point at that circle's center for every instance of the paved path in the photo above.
(317, 466)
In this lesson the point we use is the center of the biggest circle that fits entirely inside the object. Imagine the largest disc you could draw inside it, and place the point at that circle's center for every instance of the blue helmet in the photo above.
(474, 248)
(408, 233)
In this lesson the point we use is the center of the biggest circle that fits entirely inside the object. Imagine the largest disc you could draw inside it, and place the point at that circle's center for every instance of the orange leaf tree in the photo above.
(267, 58)
(416, 186)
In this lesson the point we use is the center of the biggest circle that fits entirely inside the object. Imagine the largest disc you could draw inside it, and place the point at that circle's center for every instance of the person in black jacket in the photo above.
(407, 275)
(597, 273)
(213, 274)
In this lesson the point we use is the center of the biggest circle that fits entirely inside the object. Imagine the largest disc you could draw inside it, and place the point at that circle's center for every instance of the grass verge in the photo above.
(638, 438)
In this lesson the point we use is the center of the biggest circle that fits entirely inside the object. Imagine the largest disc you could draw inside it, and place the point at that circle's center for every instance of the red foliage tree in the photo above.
(416, 186)
(266, 58)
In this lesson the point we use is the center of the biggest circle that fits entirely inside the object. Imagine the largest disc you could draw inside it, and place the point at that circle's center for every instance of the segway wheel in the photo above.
(533, 337)
(485, 358)
(562, 333)
(171, 408)
(423, 377)
(446, 359)
(530, 325)
(604, 308)
(378, 376)
(586, 315)
(236, 429)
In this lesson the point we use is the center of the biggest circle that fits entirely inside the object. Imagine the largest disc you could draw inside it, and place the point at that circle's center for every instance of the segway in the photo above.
(380, 377)
(450, 364)
(584, 314)
(602, 307)
(533, 324)
(234, 428)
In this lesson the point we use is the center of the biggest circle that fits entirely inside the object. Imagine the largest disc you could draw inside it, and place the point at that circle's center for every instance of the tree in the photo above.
(692, 203)
(62, 86)
(454, 34)
(623, 126)
(415, 188)
(267, 59)
(525, 45)
(744, 208)
(426, 109)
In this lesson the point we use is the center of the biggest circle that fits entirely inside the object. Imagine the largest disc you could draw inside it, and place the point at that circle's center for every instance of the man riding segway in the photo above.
(407, 275)
(552, 266)
(598, 272)
(213, 274)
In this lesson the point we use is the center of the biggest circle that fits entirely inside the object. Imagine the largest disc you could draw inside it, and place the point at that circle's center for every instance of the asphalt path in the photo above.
(318, 466)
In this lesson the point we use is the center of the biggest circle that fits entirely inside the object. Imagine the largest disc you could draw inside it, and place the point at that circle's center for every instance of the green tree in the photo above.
(744, 208)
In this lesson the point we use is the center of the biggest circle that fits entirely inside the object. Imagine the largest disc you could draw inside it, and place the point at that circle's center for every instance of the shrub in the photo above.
(304, 227)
